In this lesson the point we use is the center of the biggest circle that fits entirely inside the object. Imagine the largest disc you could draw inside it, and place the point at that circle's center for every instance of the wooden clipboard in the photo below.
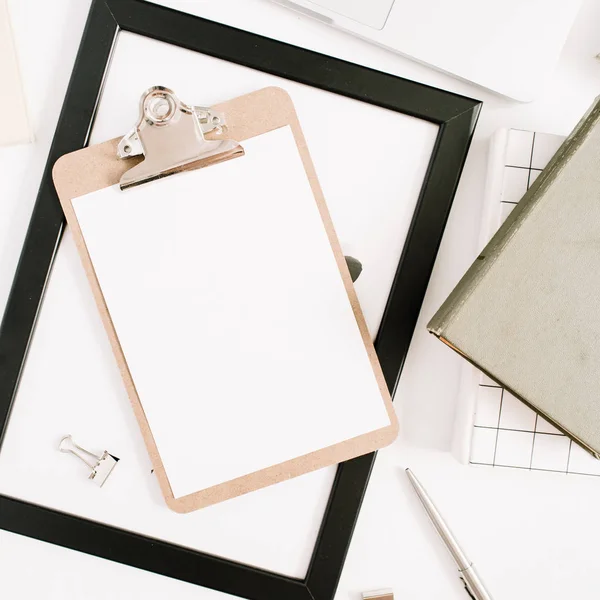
(94, 168)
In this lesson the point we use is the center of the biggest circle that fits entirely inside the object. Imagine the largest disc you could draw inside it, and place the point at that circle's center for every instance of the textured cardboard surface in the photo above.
(94, 168)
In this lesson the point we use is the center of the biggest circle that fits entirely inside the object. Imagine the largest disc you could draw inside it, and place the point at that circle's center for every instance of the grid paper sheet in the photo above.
(506, 432)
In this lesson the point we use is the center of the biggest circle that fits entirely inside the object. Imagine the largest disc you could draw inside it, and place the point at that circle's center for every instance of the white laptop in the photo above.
(508, 46)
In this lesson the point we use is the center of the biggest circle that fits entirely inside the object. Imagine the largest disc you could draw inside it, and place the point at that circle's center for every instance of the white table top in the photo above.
(532, 535)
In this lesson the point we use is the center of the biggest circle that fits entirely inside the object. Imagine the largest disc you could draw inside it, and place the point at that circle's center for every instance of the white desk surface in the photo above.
(532, 535)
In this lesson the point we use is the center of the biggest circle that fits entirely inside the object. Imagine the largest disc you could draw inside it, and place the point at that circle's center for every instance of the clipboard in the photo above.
(172, 138)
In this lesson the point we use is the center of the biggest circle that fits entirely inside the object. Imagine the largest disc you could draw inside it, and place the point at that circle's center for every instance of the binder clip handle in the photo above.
(69, 446)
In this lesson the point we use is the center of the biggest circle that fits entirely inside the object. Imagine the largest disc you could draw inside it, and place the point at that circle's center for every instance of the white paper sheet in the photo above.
(232, 315)
(14, 128)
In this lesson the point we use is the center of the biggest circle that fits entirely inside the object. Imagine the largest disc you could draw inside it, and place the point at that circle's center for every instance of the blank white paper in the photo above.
(232, 315)
(15, 126)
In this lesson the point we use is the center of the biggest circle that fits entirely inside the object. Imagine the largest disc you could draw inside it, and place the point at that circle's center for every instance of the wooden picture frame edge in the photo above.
(456, 117)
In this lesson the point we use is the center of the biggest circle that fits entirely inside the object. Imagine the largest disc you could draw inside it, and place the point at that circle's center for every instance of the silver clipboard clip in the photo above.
(170, 136)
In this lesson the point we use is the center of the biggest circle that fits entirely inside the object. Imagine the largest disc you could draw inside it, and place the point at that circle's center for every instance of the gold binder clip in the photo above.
(170, 136)
(101, 466)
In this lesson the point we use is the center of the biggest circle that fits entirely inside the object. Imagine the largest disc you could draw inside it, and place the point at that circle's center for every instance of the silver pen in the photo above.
(466, 570)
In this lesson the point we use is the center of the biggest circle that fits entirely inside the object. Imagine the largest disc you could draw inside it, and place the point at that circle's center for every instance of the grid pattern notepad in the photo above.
(506, 432)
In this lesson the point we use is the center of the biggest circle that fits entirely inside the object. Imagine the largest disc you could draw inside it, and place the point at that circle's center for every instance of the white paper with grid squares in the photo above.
(505, 432)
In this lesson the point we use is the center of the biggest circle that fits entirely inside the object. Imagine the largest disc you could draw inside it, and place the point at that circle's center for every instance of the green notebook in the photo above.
(527, 312)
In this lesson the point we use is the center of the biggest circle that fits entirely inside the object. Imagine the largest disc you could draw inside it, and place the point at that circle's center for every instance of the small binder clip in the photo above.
(170, 136)
(101, 466)
(379, 595)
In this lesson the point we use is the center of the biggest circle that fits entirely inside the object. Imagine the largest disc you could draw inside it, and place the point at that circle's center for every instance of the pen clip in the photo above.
(473, 584)
(467, 587)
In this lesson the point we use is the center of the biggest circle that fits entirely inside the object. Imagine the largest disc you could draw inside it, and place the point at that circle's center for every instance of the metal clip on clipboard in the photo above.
(170, 136)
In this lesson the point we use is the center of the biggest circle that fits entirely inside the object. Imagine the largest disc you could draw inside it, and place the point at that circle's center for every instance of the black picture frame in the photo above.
(456, 117)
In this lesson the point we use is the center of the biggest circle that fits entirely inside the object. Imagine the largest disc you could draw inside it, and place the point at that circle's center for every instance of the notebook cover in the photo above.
(525, 313)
